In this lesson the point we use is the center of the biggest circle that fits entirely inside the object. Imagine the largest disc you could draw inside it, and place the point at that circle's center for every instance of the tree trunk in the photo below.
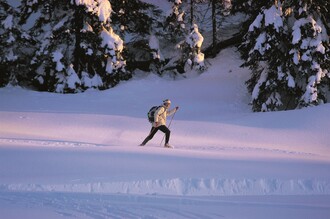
(191, 12)
(214, 24)
(78, 25)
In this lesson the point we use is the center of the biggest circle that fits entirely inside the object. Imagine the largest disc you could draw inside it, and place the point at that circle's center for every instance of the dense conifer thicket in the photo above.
(71, 46)
(287, 49)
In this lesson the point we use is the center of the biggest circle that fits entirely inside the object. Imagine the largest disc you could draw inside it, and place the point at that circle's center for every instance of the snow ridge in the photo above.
(46, 143)
(186, 187)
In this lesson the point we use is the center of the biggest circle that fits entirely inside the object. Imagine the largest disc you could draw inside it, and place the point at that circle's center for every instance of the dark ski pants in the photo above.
(153, 131)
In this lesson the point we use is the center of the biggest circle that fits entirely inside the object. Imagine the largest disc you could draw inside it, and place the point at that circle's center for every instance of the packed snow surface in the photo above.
(77, 155)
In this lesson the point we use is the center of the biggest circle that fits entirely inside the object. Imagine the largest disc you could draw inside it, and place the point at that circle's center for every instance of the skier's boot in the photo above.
(168, 146)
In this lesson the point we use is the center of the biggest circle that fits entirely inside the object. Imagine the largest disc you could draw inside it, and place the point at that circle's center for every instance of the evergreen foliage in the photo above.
(136, 21)
(14, 44)
(287, 49)
(194, 42)
(183, 40)
(174, 33)
(134, 17)
(174, 23)
(310, 52)
(76, 46)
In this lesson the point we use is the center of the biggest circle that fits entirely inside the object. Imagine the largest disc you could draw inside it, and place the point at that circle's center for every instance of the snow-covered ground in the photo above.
(76, 155)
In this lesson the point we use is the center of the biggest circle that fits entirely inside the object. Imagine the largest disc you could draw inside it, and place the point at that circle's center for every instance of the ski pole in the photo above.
(168, 127)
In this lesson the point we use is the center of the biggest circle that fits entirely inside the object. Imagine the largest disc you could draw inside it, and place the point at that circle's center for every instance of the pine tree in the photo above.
(134, 17)
(136, 21)
(13, 41)
(310, 52)
(161, 53)
(174, 23)
(221, 8)
(76, 44)
(290, 61)
(171, 36)
(195, 56)
(252, 8)
(263, 49)
(188, 43)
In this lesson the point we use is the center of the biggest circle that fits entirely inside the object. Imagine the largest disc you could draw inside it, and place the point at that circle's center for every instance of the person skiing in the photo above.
(160, 123)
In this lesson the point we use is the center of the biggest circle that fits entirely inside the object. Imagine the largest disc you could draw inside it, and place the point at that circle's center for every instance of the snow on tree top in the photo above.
(256, 23)
(8, 22)
(57, 56)
(111, 40)
(195, 39)
(153, 42)
(101, 8)
(273, 16)
(316, 41)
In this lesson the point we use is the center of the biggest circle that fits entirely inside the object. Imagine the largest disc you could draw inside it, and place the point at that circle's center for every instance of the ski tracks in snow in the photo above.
(62, 143)
(45, 143)
(67, 205)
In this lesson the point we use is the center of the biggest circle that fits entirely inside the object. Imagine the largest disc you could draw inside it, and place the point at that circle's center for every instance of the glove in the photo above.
(176, 108)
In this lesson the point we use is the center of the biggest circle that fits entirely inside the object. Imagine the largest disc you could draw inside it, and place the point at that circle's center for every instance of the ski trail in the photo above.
(46, 143)
(59, 205)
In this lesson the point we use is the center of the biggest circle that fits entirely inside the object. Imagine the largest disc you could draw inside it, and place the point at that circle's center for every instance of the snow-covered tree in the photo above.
(76, 44)
(195, 56)
(221, 8)
(163, 41)
(134, 17)
(174, 23)
(157, 58)
(287, 50)
(13, 46)
(182, 47)
(265, 52)
(310, 52)
(249, 7)
(137, 22)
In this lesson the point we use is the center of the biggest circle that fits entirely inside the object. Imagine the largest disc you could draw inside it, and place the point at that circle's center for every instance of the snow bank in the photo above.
(186, 187)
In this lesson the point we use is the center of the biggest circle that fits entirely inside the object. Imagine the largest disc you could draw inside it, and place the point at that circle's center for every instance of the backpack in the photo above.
(151, 113)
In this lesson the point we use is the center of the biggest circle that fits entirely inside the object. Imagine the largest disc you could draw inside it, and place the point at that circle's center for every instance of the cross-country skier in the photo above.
(160, 123)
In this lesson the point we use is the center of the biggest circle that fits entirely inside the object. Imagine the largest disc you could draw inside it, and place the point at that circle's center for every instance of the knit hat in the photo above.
(167, 101)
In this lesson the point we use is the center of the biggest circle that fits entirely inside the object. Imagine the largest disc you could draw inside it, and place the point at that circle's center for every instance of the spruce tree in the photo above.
(264, 51)
(287, 49)
(174, 23)
(77, 47)
(194, 42)
(134, 17)
(187, 42)
(136, 21)
(310, 52)
(14, 44)
(172, 36)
